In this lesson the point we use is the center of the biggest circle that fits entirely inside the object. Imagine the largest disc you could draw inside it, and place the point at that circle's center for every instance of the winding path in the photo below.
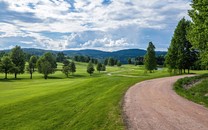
(153, 105)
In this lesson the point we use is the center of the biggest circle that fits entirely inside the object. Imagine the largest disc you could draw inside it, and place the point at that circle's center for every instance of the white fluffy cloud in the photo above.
(60, 16)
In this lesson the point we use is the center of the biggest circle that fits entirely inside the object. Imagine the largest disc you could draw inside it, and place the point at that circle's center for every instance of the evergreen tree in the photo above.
(90, 68)
(99, 67)
(180, 54)
(150, 59)
(18, 58)
(198, 34)
(6, 65)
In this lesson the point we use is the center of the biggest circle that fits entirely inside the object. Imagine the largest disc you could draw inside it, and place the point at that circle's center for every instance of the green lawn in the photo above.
(79, 102)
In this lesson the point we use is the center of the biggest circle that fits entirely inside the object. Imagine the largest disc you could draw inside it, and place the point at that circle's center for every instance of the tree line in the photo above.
(16, 62)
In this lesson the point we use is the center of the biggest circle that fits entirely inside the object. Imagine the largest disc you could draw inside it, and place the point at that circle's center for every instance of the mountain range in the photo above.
(121, 55)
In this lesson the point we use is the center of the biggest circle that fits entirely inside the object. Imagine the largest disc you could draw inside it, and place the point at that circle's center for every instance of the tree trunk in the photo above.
(15, 75)
(184, 70)
(5, 75)
(30, 75)
(45, 76)
(188, 71)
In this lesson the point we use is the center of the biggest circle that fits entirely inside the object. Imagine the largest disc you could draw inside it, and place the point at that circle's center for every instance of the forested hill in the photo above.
(121, 55)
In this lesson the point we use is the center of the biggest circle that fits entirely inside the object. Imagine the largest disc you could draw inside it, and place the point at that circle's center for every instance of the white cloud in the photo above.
(91, 15)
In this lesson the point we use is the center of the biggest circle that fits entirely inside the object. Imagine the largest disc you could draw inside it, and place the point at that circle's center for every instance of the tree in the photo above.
(119, 64)
(106, 61)
(31, 65)
(72, 67)
(46, 64)
(6, 65)
(129, 61)
(150, 59)
(180, 55)
(90, 68)
(33, 61)
(17, 56)
(66, 70)
(66, 62)
(103, 67)
(99, 67)
(111, 61)
(60, 57)
(198, 33)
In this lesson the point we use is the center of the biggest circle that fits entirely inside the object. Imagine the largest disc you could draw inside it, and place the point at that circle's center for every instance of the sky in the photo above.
(107, 25)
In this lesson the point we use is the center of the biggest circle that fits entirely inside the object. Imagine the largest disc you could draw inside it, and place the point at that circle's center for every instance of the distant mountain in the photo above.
(121, 55)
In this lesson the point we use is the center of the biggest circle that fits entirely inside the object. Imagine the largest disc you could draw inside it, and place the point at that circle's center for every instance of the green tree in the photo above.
(6, 65)
(90, 68)
(17, 56)
(179, 56)
(198, 34)
(46, 64)
(66, 70)
(103, 67)
(129, 61)
(111, 61)
(119, 64)
(60, 57)
(99, 67)
(31, 65)
(150, 58)
(72, 67)
(33, 61)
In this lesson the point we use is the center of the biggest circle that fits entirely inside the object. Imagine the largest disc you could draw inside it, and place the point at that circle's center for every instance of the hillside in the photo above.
(121, 55)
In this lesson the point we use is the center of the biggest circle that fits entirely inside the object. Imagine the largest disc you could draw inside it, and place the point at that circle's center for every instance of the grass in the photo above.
(198, 92)
(80, 102)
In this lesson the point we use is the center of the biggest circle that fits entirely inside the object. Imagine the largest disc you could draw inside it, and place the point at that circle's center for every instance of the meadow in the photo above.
(80, 102)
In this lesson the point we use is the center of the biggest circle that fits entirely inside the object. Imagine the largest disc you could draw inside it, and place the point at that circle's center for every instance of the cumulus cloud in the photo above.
(78, 18)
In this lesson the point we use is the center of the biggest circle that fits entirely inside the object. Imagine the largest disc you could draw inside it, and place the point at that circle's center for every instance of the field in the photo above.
(80, 102)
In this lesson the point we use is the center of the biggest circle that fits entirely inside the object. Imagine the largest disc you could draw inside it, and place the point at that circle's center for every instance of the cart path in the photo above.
(153, 105)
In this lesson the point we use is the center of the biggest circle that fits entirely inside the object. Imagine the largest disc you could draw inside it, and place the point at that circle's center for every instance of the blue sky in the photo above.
(107, 25)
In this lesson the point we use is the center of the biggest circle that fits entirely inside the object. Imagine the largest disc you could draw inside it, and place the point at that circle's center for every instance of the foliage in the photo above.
(103, 67)
(17, 56)
(99, 67)
(119, 64)
(6, 65)
(129, 61)
(180, 56)
(66, 70)
(46, 64)
(90, 68)
(196, 93)
(111, 61)
(198, 34)
(72, 67)
(150, 58)
(60, 57)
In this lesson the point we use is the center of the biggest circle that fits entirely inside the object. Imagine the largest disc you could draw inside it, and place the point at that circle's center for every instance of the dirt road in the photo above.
(153, 105)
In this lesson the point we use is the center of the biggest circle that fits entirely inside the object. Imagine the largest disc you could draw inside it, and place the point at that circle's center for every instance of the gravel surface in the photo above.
(153, 105)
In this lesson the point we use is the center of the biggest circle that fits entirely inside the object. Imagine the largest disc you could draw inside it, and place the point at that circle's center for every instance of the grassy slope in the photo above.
(80, 102)
(197, 93)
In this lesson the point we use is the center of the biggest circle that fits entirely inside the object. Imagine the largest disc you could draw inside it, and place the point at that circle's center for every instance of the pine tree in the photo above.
(180, 55)
(150, 58)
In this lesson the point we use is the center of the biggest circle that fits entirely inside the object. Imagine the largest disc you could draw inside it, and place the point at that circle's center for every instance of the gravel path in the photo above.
(153, 105)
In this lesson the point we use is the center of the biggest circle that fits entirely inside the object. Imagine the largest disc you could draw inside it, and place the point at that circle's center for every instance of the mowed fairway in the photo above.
(79, 102)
